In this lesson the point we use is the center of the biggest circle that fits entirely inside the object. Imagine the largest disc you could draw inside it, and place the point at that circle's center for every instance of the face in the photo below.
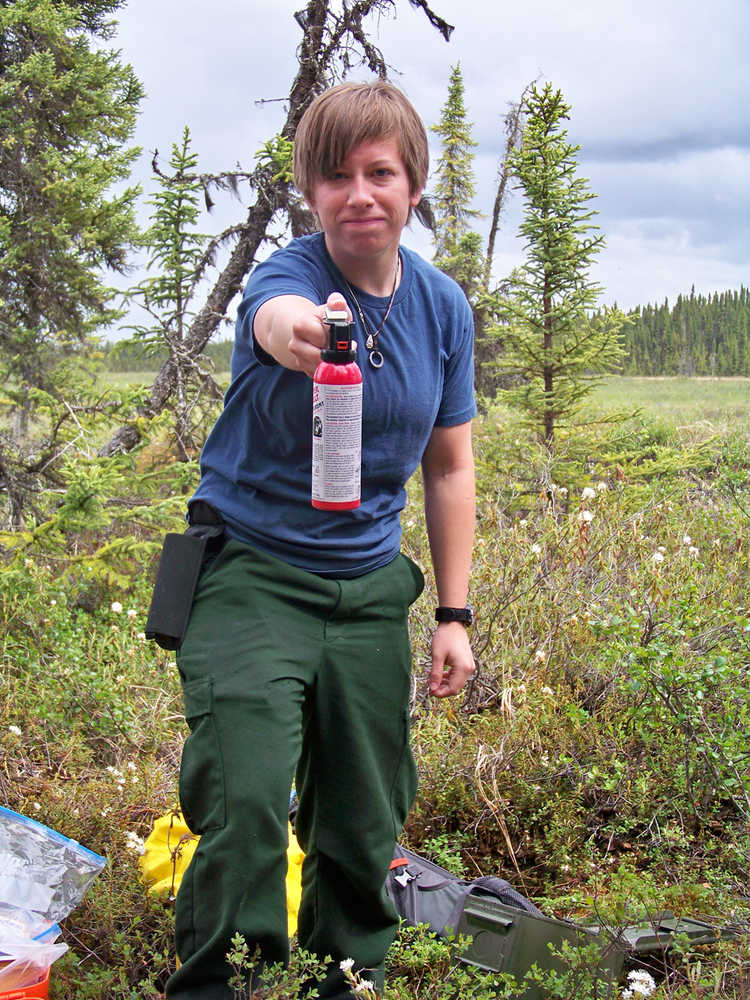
(363, 205)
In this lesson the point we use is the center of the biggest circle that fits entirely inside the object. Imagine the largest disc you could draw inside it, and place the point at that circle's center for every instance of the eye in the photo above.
(336, 175)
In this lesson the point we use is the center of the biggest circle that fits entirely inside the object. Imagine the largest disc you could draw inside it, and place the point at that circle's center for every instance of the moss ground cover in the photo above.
(599, 760)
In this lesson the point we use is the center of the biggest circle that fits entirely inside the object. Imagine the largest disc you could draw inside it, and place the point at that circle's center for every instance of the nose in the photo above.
(359, 191)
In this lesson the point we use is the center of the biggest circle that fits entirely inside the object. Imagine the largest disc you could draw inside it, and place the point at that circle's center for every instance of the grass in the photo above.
(723, 403)
(599, 760)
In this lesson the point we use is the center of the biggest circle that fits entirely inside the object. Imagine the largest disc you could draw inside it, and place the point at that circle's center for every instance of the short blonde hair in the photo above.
(346, 115)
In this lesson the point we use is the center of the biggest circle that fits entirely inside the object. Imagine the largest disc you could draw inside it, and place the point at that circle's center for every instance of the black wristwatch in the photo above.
(463, 615)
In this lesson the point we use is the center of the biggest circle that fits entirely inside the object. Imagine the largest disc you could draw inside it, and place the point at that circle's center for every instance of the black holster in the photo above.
(182, 558)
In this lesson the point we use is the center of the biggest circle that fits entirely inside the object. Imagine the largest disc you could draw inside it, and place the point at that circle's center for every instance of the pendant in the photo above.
(376, 359)
(370, 342)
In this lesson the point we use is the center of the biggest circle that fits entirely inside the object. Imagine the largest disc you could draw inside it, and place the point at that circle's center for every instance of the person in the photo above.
(296, 663)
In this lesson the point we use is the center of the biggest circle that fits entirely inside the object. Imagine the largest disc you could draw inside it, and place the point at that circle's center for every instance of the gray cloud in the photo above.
(659, 92)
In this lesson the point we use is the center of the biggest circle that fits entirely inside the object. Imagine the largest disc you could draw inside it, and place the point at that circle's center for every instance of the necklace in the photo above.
(371, 343)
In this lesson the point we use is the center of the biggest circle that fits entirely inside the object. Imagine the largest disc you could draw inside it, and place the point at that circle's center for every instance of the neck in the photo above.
(374, 276)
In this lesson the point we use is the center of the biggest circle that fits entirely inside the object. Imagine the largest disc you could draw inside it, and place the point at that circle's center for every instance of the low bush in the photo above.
(598, 759)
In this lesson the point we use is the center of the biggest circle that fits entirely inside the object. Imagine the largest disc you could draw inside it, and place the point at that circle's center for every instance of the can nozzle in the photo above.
(341, 348)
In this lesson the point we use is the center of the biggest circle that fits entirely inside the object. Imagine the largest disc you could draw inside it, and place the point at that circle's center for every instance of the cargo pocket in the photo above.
(201, 785)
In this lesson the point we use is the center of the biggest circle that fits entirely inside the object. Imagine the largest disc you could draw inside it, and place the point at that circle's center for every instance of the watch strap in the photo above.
(463, 615)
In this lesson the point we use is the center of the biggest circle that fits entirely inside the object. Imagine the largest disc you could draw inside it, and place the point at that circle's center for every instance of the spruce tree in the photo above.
(67, 110)
(455, 186)
(458, 250)
(551, 340)
(176, 255)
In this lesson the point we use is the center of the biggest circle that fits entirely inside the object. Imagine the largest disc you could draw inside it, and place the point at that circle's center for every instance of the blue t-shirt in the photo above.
(256, 462)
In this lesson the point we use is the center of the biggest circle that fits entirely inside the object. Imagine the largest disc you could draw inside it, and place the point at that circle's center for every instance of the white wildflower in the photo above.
(536, 549)
(563, 491)
(588, 493)
(694, 551)
(346, 964)
(601, 487)
(135, 843)
(540, 656)
(52, 603)
(662, 550)
(641, 984)
(116, 607)
(16, 730)
(585, 516)
(547, 691)
(687, 540)
(132, 613)
(36, 807)
(28, 563)
(141, 636)
(523, 522)
(657, 557)
(130, 766)
(364, 984)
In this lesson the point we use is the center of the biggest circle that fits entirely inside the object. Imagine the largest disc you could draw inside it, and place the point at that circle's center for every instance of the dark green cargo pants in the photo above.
(286, 674)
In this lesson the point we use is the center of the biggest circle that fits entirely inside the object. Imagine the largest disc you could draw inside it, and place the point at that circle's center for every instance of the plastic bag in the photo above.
(43, 876)
(40, 870)
(27, 947)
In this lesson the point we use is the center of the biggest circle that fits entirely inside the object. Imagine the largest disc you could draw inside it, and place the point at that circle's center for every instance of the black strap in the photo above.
(506, 894)
(492, 886)
(200, 512)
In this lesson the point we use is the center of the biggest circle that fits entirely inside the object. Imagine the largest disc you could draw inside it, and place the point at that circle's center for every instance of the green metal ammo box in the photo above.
(505, 939)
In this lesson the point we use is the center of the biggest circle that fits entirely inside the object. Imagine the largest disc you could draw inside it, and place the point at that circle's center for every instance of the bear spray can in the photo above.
(337, 420)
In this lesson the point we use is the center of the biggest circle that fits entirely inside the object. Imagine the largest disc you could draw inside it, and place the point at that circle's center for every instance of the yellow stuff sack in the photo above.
(170, 846)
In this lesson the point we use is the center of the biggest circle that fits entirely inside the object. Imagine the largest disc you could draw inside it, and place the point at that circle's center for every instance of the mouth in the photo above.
(369, 221)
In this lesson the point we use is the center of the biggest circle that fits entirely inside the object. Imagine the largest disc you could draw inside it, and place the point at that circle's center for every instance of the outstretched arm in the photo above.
(448, 475)
(290, 328)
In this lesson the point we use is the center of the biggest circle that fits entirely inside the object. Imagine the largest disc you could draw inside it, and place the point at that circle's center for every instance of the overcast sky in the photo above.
(660, 95)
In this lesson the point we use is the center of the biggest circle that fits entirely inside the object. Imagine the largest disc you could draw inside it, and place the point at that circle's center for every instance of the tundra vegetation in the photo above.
(599, 758)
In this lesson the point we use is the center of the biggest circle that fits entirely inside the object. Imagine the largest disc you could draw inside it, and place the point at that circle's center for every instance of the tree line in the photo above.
(133, 356)
(698, 335)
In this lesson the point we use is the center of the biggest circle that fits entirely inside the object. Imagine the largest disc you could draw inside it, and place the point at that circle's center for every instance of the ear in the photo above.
(414, 199)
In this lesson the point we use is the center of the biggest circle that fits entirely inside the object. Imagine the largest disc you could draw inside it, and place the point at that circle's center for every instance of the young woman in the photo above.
(296, 662)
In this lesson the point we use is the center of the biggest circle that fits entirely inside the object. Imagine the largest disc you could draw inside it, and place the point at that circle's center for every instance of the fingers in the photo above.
(310, 333)
(337, 301)
(448, 680)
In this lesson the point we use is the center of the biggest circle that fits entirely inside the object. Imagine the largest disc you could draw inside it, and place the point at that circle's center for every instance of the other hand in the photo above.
(452, 660)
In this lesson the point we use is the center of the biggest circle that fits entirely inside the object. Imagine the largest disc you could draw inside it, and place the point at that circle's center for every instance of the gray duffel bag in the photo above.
(425, 893)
